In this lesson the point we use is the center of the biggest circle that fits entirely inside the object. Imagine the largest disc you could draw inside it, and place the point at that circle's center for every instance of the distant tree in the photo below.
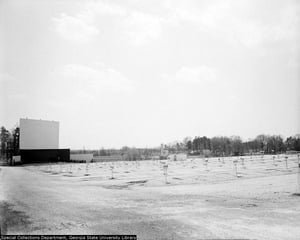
(262, 140)
(219, 146)
(16, 141)
(103, 152)
(297, 142)
(293, 143)
(236, 145)
(274, 144)
(189, 145)
(289, 143)
(186, 141)
(216, 146)
(195, 144)
(4, 137)
(130, 154)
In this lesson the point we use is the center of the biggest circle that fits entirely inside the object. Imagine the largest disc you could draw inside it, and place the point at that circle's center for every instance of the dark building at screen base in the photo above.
(44, 155)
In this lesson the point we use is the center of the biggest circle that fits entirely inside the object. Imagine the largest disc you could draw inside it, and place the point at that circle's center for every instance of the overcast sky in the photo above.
(141, 73)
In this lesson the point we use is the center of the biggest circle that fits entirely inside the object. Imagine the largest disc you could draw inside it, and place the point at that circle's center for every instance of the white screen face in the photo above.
(39, 134)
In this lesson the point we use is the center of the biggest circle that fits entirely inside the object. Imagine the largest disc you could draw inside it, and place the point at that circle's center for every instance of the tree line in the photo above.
(226, 146)
(215, 146)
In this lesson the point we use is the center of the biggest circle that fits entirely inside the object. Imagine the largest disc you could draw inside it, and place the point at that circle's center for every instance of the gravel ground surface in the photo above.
(198, 201)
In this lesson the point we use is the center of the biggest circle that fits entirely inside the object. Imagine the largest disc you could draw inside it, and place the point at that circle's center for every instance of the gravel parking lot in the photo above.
(259, 201)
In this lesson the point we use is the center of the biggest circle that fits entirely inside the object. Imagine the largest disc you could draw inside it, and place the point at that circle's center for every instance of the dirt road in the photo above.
(34, 202)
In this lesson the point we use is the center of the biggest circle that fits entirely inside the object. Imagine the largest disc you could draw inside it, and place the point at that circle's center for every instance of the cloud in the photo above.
(220, 18)
(138, 27)
(72, 87)
(94, 80)
(141, 23)
(240, 22)
(192, 75)
(75, 86)
(79, 28)
(142, 28)
(102, 8)
(288, 27)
